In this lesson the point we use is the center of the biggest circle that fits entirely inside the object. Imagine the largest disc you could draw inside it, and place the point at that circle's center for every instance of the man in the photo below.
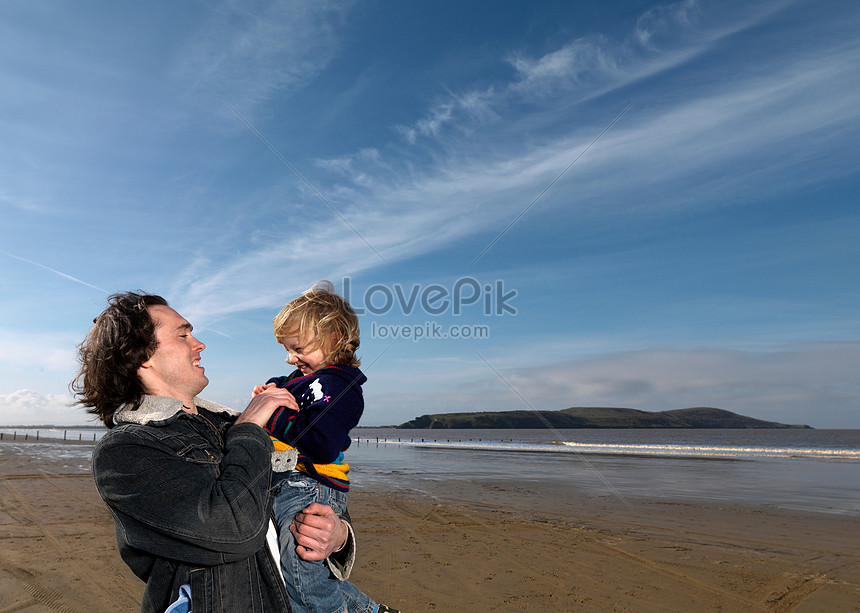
(185, 479)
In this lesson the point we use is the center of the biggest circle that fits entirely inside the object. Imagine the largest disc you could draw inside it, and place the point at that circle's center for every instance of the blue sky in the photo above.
(636, 204)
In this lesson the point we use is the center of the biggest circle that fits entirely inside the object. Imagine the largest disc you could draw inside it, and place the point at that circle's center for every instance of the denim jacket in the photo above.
(190, 498)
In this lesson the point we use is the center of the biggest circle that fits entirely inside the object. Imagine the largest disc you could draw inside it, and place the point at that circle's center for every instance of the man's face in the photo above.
(174, 369)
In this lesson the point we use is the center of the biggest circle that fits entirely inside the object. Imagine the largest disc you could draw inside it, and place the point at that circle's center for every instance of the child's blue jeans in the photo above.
(311, 586)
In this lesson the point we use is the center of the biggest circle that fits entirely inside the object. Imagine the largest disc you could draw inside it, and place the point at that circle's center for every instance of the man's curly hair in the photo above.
(121, 339)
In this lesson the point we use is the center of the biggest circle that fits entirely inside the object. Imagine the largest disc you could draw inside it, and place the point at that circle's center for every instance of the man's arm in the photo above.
(182, 503)
(173, 497)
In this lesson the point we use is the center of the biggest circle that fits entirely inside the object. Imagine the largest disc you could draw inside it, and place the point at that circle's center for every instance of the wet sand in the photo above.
(443, 550)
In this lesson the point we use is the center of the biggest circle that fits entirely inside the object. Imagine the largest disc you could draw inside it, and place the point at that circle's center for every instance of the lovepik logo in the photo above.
(434, 299)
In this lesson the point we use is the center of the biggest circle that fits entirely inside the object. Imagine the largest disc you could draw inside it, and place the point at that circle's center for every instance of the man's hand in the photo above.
(265, 403)
(319, 532)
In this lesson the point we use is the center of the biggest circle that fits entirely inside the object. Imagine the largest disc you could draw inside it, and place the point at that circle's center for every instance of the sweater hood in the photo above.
(161, 408)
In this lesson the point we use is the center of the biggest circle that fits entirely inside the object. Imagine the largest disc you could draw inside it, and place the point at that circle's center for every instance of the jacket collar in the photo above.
(161, 408)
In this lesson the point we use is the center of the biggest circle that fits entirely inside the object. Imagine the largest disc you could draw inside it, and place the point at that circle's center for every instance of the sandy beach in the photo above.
(441, 551)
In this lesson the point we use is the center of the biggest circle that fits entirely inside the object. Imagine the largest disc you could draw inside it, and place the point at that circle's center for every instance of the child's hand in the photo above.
(264, 404)
(258, 389)
(290, 401)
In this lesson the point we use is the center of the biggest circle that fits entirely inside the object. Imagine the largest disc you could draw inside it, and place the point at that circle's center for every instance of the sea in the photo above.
(808, 470)
(814, 471)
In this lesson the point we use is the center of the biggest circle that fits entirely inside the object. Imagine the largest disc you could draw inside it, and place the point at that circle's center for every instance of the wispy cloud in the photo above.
(785, 382)
(245, 53)
(24, 205)
(585, 68)
(764, 134)
(781, 384)
(57, 272)
(36, 352)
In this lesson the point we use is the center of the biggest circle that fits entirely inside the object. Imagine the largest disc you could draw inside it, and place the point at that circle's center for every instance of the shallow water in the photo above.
(707, 466)
(808, 470)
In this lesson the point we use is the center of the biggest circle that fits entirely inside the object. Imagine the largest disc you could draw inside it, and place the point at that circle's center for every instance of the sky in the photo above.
(531, 205)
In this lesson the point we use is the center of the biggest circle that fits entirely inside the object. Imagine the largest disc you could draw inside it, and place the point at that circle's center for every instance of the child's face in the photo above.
(303, 355)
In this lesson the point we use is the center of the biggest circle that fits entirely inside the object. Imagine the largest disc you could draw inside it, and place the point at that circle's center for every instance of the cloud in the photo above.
(790, 123)
(700, 21)
(244, 53)
(582, 69)
(257, 280)
(755, 129)
(787, 384)
(566, 66)
(58, 273)
(811, 383)
(23, 204)
(34, 351)
(26, 407)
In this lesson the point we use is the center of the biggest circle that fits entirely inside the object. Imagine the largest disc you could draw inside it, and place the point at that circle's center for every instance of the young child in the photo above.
(320, 332)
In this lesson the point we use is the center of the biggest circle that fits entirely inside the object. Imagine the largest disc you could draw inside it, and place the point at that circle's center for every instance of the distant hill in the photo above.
(595, 417)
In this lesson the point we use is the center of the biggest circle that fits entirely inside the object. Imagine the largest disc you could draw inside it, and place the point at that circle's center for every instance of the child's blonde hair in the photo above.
(322, 314)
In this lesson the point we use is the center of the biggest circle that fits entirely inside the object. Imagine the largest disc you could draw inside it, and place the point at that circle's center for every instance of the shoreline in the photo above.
(505, 546)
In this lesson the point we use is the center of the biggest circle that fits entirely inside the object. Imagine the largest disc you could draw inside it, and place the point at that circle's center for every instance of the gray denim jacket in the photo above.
(190, 498)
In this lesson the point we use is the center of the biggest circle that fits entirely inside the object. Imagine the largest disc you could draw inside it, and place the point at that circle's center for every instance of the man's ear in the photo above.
(144, 370)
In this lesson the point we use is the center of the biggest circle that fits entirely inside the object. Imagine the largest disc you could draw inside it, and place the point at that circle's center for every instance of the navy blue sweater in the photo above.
(331, 403)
